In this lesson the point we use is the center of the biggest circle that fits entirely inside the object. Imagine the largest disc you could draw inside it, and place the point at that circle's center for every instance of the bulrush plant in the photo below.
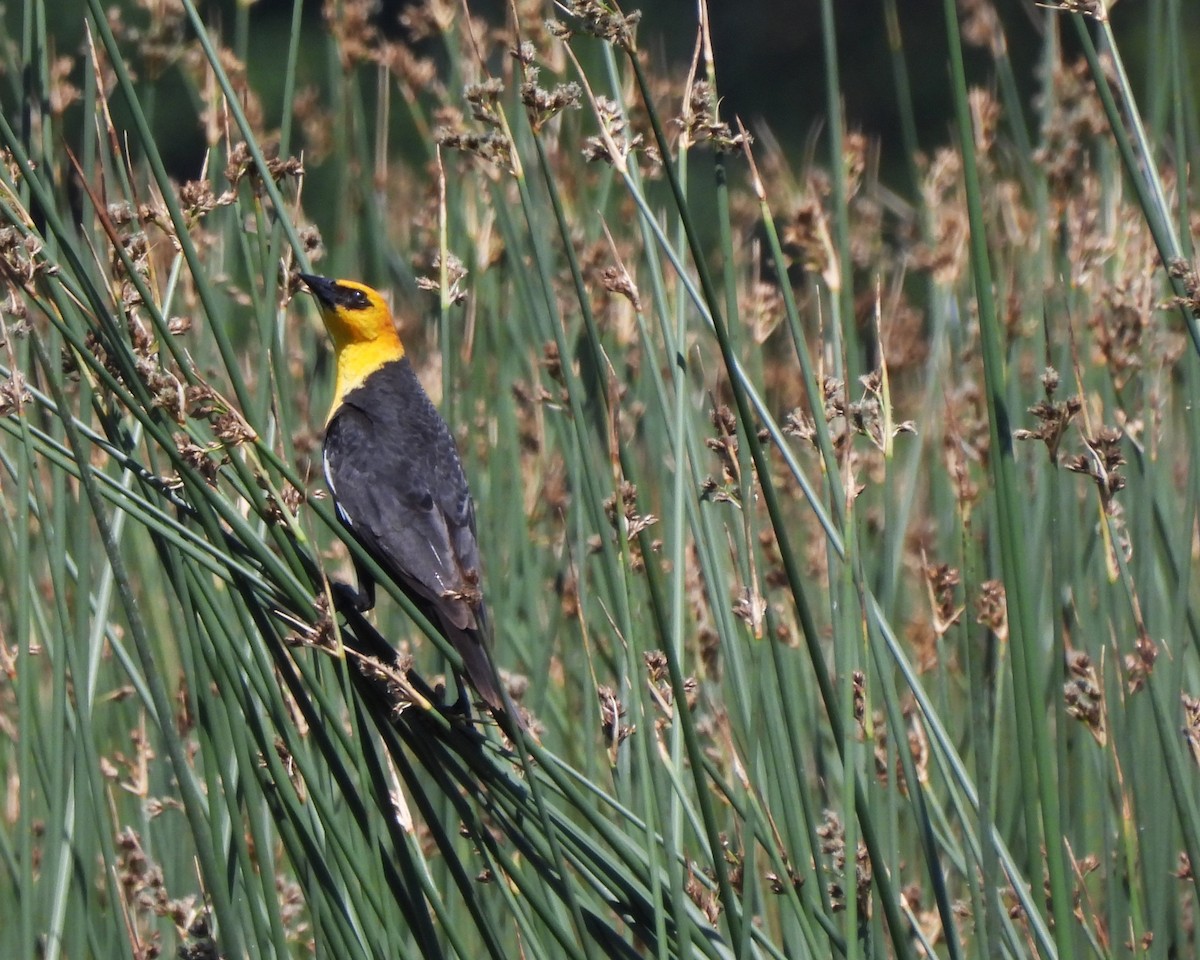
(817, 659)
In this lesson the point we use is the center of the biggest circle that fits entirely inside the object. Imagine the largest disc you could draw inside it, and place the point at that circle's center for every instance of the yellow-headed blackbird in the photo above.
(396, 479)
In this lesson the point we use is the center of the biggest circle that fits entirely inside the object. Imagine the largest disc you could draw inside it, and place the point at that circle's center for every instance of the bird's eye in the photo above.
(355, 299)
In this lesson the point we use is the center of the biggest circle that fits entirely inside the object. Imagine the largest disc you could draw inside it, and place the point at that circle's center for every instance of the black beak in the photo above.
(324, 289)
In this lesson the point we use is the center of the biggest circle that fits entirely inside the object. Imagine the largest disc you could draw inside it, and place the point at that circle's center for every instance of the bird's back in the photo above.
(398, 483)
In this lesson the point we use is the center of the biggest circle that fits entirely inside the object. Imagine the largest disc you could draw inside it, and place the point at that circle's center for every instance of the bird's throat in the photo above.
(357, 361)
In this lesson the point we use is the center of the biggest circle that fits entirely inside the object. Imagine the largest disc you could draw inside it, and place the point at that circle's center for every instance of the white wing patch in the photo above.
(337, 505)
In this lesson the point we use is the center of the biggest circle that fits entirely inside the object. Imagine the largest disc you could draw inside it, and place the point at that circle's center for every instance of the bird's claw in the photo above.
(457, 709)
(346, 597)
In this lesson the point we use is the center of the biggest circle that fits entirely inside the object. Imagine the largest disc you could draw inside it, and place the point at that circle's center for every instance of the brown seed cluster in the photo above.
(868, 416)
(659, 683)
(617, 140)
(14, 394)
(1074, 123)
(1101, 460)
(701, 122)
(1084, 696)
(945, 255)
(628, 523)
(456, 275)
(491, 142)
(241, 166)
(611, 712)
(1191, 728)
(1139, 664)
(600, 20)
(991, 608)
(1053, 417)
(725, 445)
(1187, 273)
(704, 896)
(20, 257)
(917, 744)
(1088, 8)
(832, 836)
(980, 26)
(143, 893)
(543, 105)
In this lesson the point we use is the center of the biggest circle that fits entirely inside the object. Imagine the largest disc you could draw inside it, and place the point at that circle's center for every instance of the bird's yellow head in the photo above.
(353, 312)
(361, 328)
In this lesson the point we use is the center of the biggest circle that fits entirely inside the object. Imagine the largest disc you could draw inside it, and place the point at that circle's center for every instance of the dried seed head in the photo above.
(14, 395)
(598, 19)
(943, 197)
(1191, 727)
(1088, 8)
(1053, 418)
(805, 235)
(541, 104)
(656, 666)
(484, 100)
(1184, 870)
(492, 145)
(1084, 696)
(985, 116)
(315, 123)
(991, 608)
(553, 362)
(634, 523)
(63, 93)
(1180, 269)
(1140, 663)
(943, 581)
(456, 273)
(701, 121)
(980, 26)
(198, 198)
(1101, 462)
(21, 257)
(1073, 123)
(349, 21)
(612, 119)
(238, 165)
(704, 896)
(616, 279)
(611, 712)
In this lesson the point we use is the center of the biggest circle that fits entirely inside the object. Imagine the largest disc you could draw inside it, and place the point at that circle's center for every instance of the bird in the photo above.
(397, 482)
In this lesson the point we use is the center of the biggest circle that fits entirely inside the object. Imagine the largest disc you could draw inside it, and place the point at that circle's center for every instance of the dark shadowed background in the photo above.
(770, 60)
